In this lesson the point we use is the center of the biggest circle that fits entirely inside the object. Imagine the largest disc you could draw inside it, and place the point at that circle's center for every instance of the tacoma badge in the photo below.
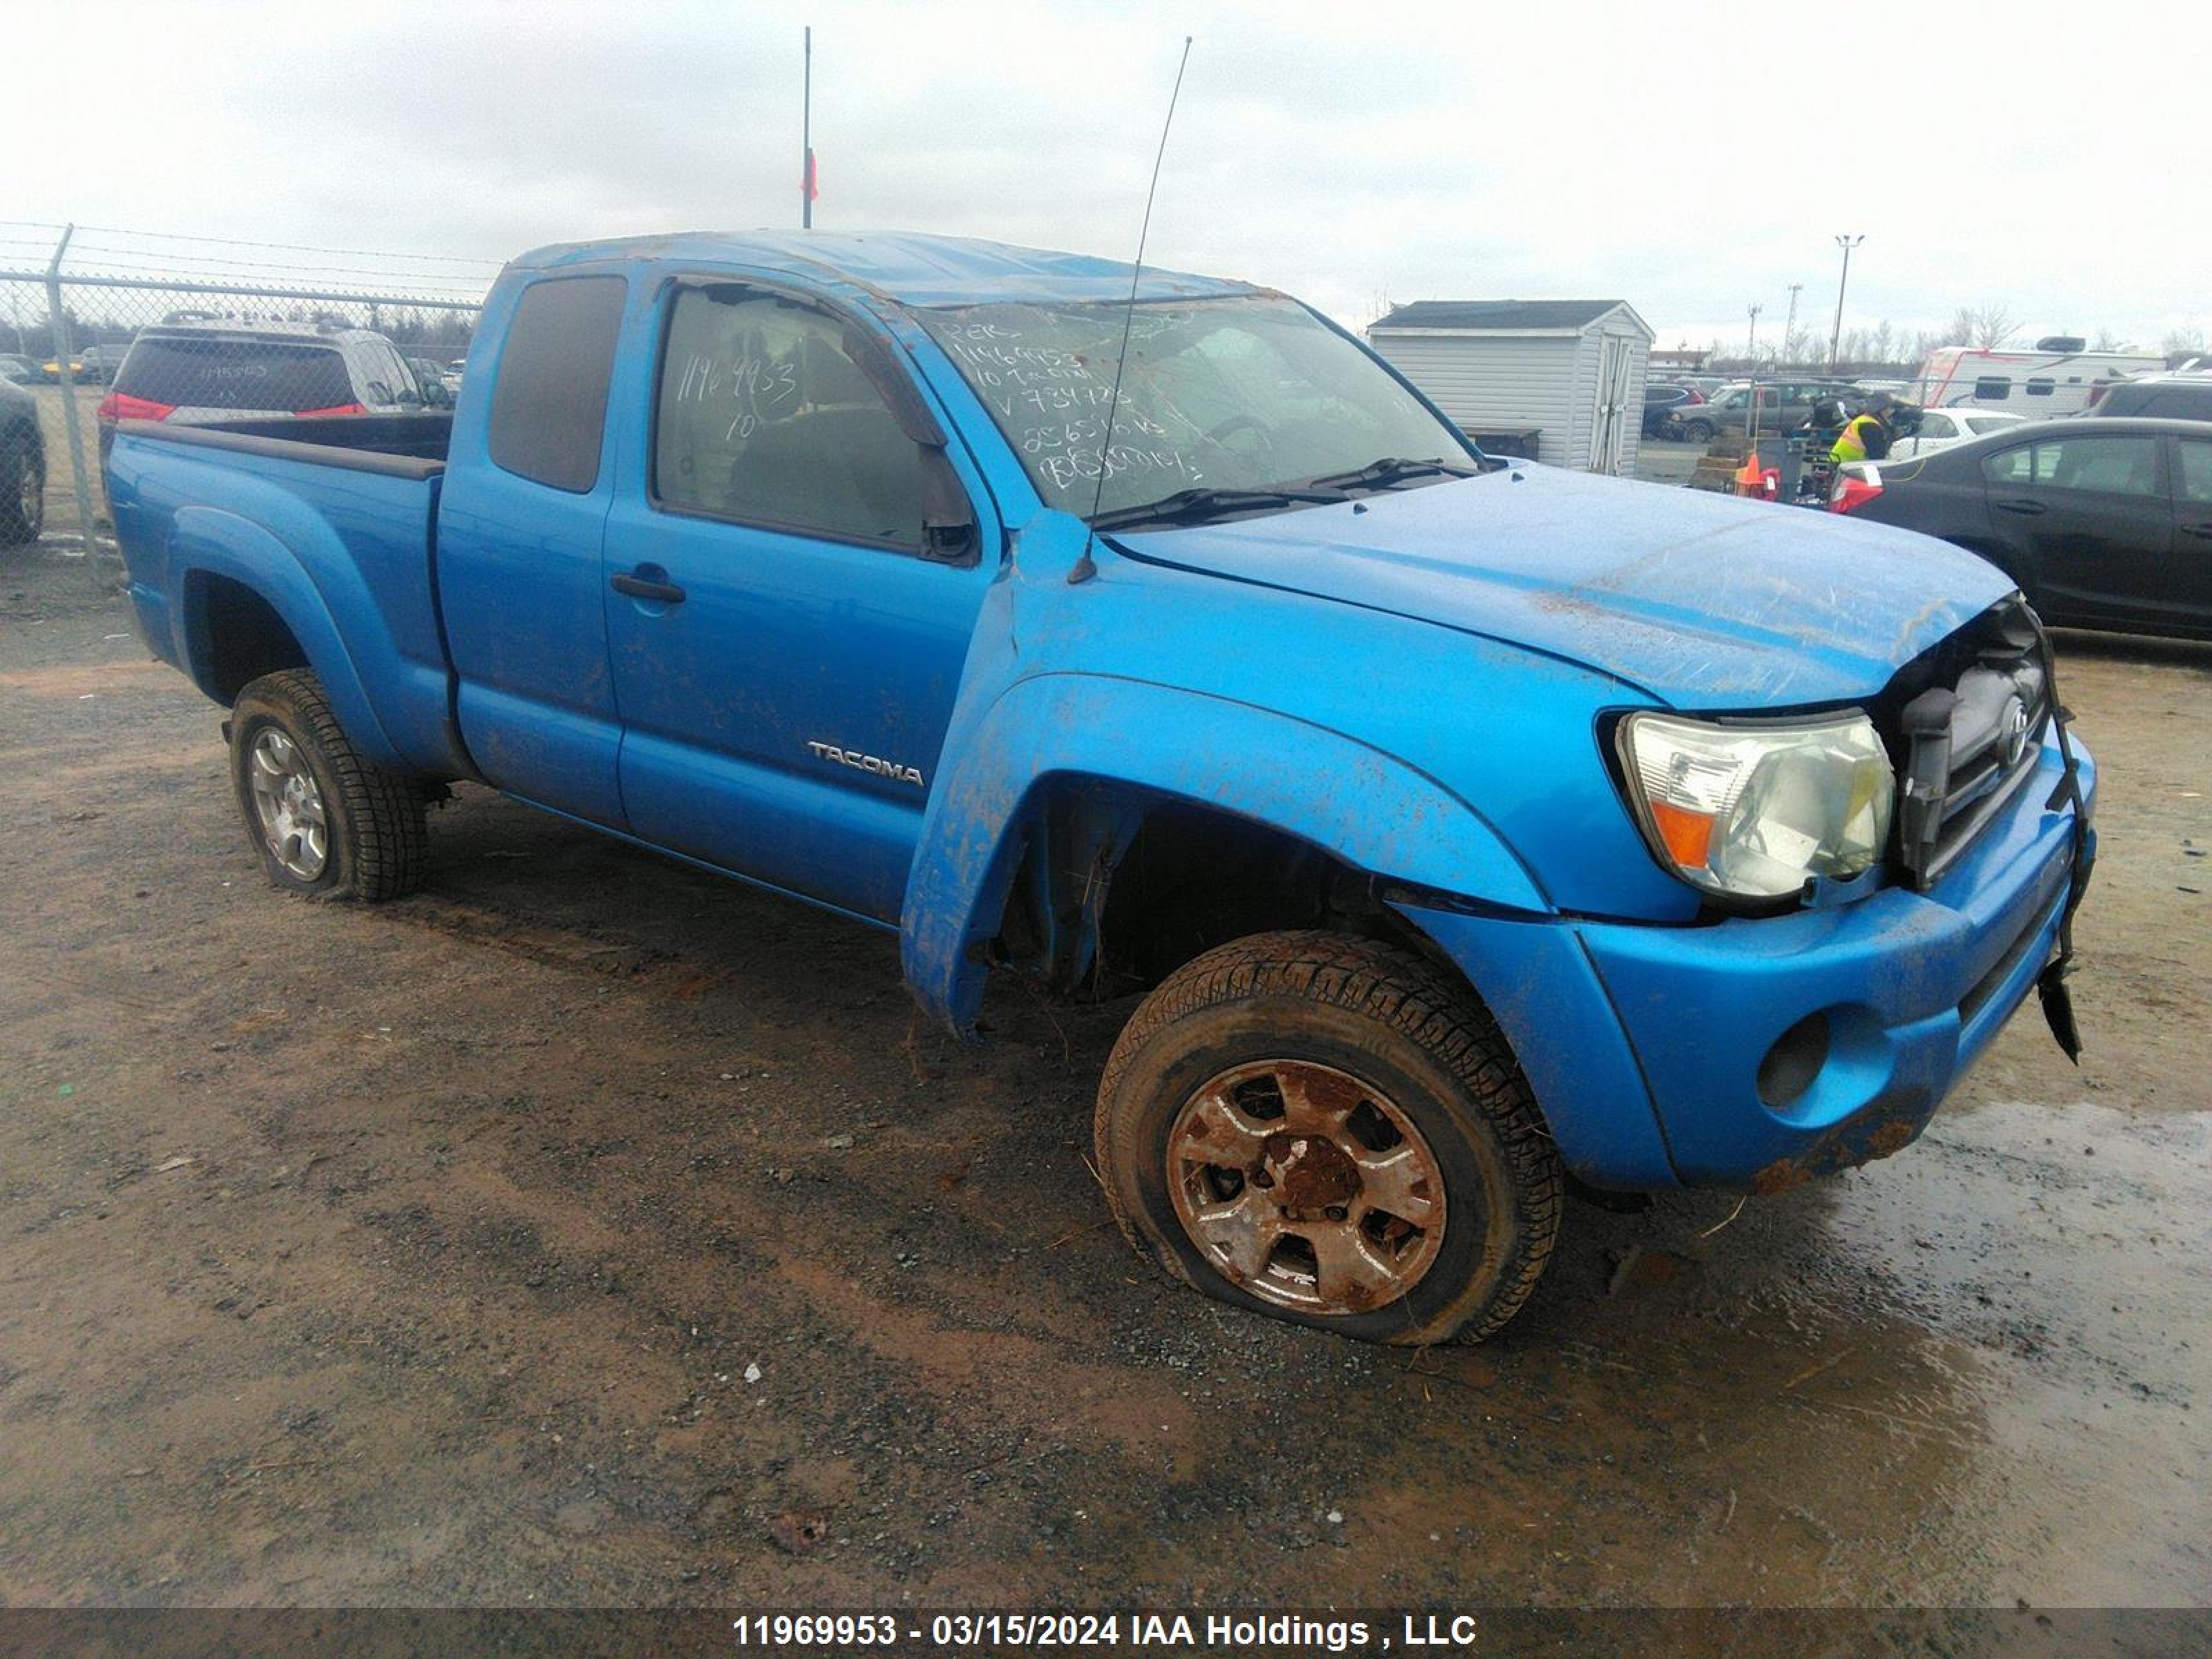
(861, 762)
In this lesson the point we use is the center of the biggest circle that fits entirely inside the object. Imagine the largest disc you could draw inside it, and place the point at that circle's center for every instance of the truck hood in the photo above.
(1701, 600)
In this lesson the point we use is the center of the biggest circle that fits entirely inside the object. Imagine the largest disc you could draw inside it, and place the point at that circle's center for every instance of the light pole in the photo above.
(1789, 328)
(1751, 343)
(806, 190)
(1835, 337)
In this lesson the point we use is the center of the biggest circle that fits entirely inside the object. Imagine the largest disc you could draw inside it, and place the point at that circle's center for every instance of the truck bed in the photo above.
(352, 503)
(403, 446)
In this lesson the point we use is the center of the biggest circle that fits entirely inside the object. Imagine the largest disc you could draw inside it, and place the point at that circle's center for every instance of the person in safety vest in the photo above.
(1868, 436)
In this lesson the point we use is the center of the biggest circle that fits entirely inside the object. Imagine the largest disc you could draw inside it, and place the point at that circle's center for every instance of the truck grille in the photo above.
(1969, 741)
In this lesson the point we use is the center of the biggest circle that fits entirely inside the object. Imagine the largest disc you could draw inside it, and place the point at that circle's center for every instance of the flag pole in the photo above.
(806, 140)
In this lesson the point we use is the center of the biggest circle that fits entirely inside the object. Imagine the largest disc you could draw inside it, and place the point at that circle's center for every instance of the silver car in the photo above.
(201, 371)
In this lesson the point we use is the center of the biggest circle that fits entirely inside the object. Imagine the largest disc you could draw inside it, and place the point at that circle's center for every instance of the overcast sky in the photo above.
(1690, 158)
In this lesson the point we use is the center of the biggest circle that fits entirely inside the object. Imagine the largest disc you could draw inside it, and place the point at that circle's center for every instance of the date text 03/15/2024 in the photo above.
(1246, 1632)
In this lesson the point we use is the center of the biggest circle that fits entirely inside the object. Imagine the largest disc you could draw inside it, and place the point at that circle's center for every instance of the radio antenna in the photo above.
(1085, 568)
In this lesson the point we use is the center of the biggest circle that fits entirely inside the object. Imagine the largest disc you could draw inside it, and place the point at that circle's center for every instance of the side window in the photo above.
(2040, 386)
(1936, 426)
(2012, 467)
(763, 416)
(1992, 388)
(549, 410)
(2112, 466)
(2178, 403)
(2194, 483)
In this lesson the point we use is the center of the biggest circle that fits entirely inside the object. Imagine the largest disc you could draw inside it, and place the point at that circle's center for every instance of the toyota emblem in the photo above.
(2015, 731)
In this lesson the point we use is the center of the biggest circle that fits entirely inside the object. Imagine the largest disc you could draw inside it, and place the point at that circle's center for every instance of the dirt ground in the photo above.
(586, 1230)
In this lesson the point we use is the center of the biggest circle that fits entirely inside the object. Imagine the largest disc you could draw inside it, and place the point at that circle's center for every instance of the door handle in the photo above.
(643, 587)
(2027, 506)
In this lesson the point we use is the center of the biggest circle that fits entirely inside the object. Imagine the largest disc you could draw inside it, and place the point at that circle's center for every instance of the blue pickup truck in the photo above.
(1471, 832)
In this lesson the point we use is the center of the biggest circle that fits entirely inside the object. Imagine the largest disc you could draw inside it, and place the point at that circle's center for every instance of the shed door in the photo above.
(1610, 428)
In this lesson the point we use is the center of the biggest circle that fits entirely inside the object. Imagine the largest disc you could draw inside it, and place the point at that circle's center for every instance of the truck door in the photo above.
(521, 521)
(2093, 514)
(787, 634)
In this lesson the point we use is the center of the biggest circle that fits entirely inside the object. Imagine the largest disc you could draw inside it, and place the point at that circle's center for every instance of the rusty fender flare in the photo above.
(1373, 810)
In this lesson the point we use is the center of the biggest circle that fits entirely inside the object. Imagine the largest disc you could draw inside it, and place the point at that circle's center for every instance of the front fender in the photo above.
(208, 541)
(1373, 810)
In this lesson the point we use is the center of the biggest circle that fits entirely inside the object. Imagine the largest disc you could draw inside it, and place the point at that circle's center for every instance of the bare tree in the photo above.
(2182, 342)
(1986, 326)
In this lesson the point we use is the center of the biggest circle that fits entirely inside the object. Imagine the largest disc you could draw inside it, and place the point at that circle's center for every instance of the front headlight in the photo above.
(1756, 811)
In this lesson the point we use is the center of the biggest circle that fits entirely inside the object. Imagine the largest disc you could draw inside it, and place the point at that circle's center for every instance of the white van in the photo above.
(2056, 378)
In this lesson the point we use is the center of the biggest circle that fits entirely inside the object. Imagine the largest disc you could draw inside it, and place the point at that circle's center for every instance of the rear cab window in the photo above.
(548, 408)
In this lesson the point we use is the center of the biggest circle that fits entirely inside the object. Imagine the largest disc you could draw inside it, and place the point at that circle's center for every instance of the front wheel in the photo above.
(326, 820)
(1324, 1129)
(1697, 431)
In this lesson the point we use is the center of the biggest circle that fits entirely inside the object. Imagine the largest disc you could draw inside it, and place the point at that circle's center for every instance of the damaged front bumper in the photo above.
(1756, 1052)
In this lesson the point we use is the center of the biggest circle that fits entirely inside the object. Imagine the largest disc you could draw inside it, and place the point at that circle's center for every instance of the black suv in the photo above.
(2185, 397)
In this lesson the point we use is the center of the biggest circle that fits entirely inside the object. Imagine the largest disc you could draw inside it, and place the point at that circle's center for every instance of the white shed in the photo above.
(1570, 371)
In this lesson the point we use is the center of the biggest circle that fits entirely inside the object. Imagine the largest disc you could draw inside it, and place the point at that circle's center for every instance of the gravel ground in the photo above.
(587, 1230)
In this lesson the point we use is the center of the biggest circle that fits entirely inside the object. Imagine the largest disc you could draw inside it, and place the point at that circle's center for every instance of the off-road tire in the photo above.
(378, 838)
(21, 522)
(1393, 1022)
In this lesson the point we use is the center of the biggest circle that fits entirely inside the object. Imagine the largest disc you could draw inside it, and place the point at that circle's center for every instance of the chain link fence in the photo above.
(103, 325)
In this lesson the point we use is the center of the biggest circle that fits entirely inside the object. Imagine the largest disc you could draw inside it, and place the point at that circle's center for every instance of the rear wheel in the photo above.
(22, 493)
(1323, 1129)
(325, 819)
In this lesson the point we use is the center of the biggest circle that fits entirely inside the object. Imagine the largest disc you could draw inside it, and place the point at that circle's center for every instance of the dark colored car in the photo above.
(432, 382)
(2103, 523)
(1661, 401)
(1783, 405)
(22, 467)
(101, 362)
(22, 370)
(2157, 397)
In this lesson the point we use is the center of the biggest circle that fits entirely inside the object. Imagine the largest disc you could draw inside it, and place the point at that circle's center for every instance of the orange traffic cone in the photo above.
(1750, 480)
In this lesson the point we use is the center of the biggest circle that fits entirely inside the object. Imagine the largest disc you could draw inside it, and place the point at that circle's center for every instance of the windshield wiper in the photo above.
(1393, 469)
(1188, 506)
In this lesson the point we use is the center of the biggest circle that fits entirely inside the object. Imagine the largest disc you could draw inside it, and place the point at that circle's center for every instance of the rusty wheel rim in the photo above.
(1306, 1187)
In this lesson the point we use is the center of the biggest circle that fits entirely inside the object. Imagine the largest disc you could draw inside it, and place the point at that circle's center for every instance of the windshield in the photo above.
(1237, 393)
